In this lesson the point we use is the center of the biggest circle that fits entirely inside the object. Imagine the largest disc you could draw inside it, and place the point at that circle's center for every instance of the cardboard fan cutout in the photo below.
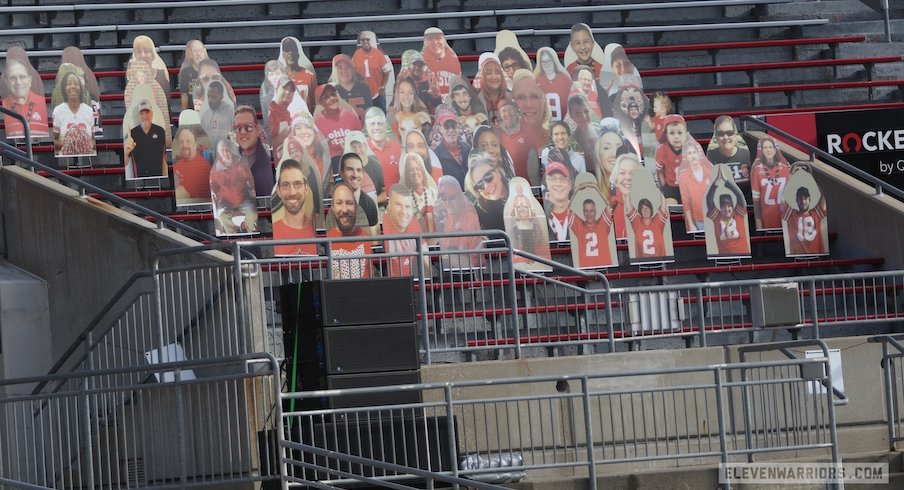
(694, 177)
(348, 260)
(526, 226)
(488, 189)
(629, 106)
(217, 112)
(768, 179)
(232, 192)
(616, 65)
(729, 148)
(299, 68)
(727, 234)
(351, 85)
(139, 74)
(592, 231)
(294, 218)
(647, 220)
(620, 184)
(561, 138)
(192, 153)
(407, 111)
(191, 161)
(335, 118)
(384, 145)
(144, 143)
(295, 149)
(583, 50)
(465, 104)
(554, 81)
(440, 58)
(491, 85)
(605, 153)
(143, 50)
(559, 184)
(376, 68)
(399, 219)
(73, 116)
(804, 216)
(414, 141)
(414, 68)
(419, 182)
(73, 56)
(455, 213)
(511, 56)
(672, 139)
(285, 106)
(208, 71)
(23, 93)
(195, 52)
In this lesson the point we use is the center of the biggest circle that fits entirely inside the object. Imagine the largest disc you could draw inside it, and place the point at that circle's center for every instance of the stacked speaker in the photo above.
(351, 334)
(360, 333)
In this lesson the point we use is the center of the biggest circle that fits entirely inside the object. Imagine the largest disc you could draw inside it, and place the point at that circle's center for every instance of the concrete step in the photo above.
(836, 10)
(873, 29)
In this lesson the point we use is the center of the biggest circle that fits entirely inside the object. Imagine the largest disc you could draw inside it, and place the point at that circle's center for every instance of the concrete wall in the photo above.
(861, 371)
(24, 327)
(83, 248)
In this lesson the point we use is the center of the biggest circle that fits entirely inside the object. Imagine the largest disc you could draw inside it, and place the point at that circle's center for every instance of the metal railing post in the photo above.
(701, 312)
(588, 432)
(720, 417)
(158, 311)
(422, 293)
(180, 428)
(86, 431)
(610, 327)
(239, 288)
(26, 132)
(813, 308)
(512, 293)
(450, 426)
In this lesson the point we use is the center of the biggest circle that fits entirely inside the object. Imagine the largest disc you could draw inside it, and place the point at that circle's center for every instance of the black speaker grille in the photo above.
(367, 380)
(371, 348)
(367, 301)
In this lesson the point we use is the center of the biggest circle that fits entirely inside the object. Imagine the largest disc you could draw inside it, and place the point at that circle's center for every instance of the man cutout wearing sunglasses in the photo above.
(246, 133)
(725, 149)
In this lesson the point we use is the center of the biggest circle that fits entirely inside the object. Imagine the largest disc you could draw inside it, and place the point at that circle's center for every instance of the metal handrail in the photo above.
(80, 339)
(84, 187)
(891, 383)
(785, 348)
(376, 464)
(12, 149)
(880, 185)
(451, 394)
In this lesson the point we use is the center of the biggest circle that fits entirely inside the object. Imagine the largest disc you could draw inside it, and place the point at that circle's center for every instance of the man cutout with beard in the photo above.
(345, 211)
(292, 190)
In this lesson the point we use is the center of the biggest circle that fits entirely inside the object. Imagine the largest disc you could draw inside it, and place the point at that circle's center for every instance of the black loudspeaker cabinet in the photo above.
(367, 380)
(341, 302)
(314, 352)
(418, 442)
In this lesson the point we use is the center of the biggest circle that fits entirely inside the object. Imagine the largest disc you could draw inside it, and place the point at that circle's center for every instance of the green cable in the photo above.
(295, 354)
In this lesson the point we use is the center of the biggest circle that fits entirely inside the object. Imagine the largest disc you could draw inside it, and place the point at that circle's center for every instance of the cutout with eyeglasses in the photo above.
(244, 128)
(297, 185)
(482, 183)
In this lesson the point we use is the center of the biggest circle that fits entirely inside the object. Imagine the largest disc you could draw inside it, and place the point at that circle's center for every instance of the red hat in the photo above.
(557, 167)
(670, 119)
(443, 116)
(322, 88)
